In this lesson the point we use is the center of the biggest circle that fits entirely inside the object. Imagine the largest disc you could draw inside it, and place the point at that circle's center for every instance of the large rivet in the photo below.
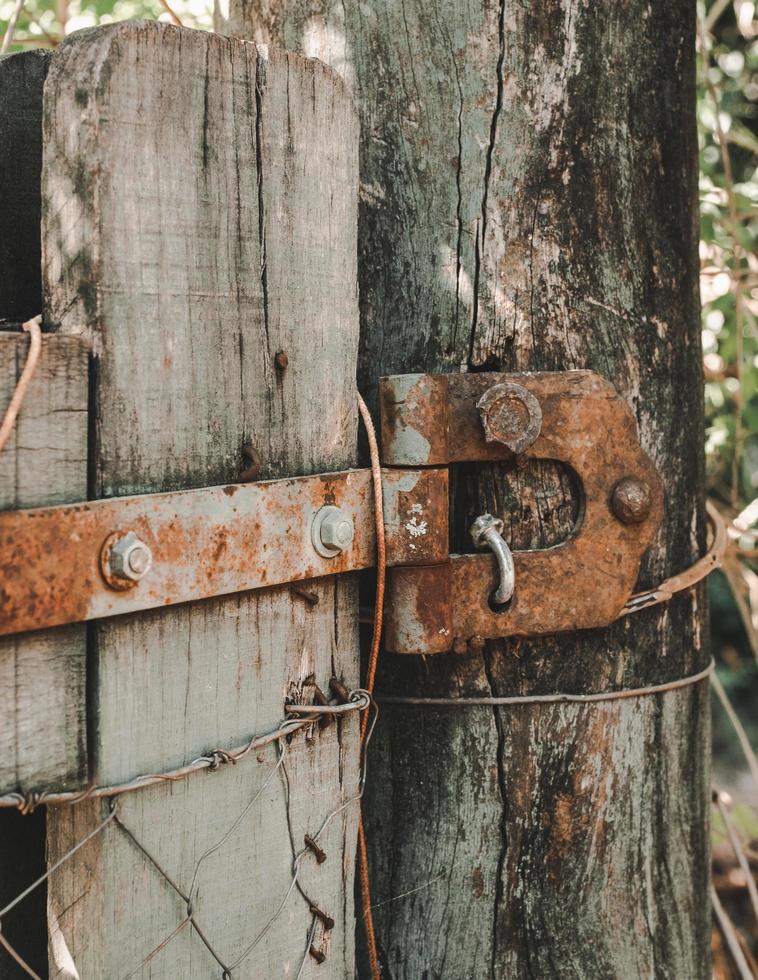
(631, 500)
(510, 415)
(125, 559)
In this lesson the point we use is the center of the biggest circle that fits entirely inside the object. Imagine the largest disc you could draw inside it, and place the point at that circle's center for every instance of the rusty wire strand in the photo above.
(299, 855)
(376, 639)
(690, 577)
(33, 328)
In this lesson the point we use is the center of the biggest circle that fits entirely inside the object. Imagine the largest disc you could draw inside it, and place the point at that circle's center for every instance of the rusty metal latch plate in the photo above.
(574, 417)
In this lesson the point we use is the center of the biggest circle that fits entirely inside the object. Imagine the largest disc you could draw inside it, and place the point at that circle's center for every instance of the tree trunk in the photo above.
(528, 181)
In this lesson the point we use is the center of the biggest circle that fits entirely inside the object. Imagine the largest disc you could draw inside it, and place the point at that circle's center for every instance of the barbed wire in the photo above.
(212, 761)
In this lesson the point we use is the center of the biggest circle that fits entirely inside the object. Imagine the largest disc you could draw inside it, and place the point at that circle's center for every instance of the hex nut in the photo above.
(511, 415)
(631, 500)
(125, 559)
(332, 531)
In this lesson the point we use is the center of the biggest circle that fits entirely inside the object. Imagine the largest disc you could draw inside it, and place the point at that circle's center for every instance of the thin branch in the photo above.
(10, 30)
(174, 19)
(739, 853)
(737, 725)
(730, 935)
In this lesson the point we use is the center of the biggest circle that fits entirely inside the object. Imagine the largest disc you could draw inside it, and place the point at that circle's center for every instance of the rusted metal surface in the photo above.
(205, 543)
(414, 423)
(579, 584)
(419, 609)
(510, 414)
(415, 516)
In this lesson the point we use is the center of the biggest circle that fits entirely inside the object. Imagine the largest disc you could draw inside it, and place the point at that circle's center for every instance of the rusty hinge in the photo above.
(108, 557)
(574, 417)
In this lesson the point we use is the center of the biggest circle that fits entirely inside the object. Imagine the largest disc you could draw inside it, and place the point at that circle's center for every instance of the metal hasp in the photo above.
(109, 557)
(574, 417)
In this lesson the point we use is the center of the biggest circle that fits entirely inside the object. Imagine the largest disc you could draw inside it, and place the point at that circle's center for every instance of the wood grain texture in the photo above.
(42, 674)
(528, 179)
(200, 201)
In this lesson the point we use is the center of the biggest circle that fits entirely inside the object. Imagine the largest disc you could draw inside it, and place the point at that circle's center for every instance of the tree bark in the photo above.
(528, 182)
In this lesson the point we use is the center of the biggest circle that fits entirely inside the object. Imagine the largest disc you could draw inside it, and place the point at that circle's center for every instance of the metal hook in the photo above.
(486, 532)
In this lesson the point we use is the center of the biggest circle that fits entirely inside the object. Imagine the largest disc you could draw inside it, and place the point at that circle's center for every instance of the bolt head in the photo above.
(631, 500)
(128, 559)
(511, 415)
(333, 531)
(483, 524)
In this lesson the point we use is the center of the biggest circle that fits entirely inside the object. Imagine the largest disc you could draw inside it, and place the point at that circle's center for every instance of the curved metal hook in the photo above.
(486, 532)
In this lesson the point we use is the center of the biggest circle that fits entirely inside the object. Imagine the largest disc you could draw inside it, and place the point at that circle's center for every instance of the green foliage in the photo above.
(728, 125)
(44, 23)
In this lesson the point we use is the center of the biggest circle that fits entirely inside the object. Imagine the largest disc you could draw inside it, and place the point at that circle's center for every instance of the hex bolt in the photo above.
(332, 531)
(511, 415)
(486, 532)
(631, 500)
(127, 559)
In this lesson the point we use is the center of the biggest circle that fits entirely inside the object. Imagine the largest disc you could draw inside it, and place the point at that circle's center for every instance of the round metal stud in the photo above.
(631, 500)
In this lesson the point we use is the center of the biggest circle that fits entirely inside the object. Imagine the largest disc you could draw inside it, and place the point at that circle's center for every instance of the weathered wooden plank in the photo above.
(200, 216)
(42, 733)
(42, 675)
(528, 199)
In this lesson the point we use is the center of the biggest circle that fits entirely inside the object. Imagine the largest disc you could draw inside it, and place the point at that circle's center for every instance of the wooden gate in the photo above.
(197, 199)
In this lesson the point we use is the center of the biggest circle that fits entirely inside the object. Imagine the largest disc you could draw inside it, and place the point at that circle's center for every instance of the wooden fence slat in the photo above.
(201, 209)
(42, 675)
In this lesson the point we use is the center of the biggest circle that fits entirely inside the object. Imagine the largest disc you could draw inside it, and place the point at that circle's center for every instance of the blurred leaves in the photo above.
(44, 23)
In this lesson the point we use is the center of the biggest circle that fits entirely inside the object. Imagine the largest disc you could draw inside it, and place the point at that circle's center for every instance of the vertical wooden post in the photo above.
(528, 177)
(200, 216)
(42, 675)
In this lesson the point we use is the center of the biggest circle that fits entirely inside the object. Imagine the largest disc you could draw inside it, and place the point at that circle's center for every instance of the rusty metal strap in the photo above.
(56, 563)
(690, 577)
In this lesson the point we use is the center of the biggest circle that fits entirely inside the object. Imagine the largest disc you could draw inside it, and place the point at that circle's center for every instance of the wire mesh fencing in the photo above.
(277, 881)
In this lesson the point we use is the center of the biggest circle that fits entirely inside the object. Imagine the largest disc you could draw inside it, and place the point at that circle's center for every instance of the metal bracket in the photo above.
(574, 417)
(109, 557)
